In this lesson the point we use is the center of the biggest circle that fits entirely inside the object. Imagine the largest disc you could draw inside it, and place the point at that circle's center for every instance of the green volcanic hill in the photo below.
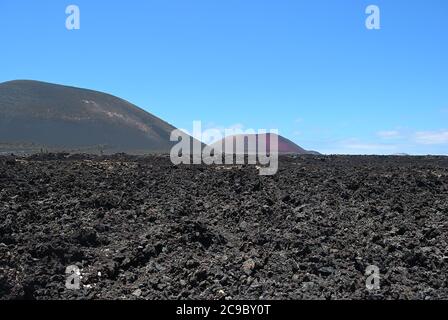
(67, 118)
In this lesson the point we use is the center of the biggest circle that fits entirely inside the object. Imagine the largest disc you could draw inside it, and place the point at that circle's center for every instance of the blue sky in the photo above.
(308, 68)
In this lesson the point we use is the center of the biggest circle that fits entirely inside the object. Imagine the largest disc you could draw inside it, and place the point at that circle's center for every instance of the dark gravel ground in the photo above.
(140, 228)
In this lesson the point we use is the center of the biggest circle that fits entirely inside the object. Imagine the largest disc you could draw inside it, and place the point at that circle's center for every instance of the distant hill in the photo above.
(285, 146)
(61, 117)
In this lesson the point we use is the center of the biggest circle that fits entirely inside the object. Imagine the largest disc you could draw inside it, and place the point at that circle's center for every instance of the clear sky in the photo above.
(308, 68)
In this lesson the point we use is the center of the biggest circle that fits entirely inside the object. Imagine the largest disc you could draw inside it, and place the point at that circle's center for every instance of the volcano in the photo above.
(285, 146)
(62, 117)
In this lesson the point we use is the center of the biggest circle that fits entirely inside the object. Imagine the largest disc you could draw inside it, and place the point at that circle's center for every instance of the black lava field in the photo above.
(142, 228)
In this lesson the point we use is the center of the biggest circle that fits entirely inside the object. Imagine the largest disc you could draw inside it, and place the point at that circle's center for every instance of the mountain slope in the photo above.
(55, 115)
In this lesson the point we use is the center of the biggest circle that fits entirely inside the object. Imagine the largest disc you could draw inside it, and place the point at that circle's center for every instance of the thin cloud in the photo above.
(432, 137)
(357, 146)
(214, 128)
(391, 134)
(368, 146)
